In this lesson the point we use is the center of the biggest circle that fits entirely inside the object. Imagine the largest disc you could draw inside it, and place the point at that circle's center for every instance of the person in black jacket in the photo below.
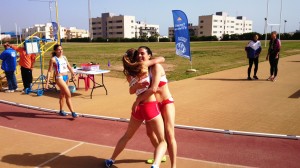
(253, 50)
(273, 56)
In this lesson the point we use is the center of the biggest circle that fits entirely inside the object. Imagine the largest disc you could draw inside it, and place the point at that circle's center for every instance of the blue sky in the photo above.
(74, 13)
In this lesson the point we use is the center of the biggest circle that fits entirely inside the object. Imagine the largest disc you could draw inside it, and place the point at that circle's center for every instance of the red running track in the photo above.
(199, 145)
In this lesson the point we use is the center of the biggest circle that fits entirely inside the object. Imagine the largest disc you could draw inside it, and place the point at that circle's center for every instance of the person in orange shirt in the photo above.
(26, 62)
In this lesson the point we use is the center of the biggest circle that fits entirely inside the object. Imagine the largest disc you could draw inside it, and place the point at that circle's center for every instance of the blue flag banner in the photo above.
(181, 34)
(55, 29)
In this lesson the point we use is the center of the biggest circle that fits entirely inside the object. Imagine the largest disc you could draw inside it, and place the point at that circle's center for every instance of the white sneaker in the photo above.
(9, 91)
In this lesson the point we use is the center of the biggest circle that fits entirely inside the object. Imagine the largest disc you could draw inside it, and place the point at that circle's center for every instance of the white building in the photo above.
(5, 36)
(220, 24)
(73, 32)
(120, 26)
(46, 31)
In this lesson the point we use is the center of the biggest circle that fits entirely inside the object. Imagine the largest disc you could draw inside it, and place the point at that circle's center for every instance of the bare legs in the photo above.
(131, 129)
(156, 125)
(168, 114)
(64, 95)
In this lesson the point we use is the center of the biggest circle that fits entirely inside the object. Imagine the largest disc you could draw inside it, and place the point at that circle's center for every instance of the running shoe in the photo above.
(62, 113)
(9, 91)
(255, 77)
(74, 115)
(154, 166)
(151, 161)
(109, 162)
(270, 78)
(249, 78)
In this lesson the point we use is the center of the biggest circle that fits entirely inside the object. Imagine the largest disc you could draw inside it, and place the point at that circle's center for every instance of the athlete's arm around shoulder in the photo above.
(154, 61)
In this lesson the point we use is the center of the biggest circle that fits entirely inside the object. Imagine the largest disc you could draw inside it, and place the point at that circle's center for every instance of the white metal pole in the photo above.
(266, 26)
(90, 20)
(20, 34)
(50, 9)
(280, 18)
(17, 34)
(58, 35)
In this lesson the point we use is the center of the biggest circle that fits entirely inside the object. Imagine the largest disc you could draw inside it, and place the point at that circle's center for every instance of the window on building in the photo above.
(119, 21)
(119, 27)
(201, 27)
(215, 26)
(215, 32)
(221, 26)
(201, 21)
(215, 20)
(201, 32)
(119, 32)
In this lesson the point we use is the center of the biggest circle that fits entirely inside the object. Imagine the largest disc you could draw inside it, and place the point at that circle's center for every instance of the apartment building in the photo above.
(219, 24)
(73, 32)
(193, 30)
(46, 31)
(110, 25)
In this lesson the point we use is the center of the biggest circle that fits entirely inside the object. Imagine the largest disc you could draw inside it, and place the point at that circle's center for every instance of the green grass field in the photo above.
(207, 57)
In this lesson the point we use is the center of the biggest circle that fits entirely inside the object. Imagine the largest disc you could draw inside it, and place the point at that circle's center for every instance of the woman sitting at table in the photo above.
(61, 67)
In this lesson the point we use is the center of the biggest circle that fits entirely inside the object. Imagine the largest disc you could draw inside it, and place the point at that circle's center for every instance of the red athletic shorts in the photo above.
(165, 102)
(146, 111)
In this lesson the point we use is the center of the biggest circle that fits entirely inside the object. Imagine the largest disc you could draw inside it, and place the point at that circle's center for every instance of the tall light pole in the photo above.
(266, 31)
(90, 20)
(284, 26)
(56, 8)
(58, 33)
(280, 18)
(17, 33)
(266, 24)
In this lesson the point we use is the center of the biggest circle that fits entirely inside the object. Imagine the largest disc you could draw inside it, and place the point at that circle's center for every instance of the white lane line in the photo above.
(112, 147)
(195, 128)
(50, 160)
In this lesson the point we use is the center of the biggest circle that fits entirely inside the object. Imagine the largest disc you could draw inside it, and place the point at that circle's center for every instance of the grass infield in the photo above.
(207, 57)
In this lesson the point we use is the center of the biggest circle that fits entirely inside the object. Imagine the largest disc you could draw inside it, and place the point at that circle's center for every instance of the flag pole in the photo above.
(182, 36)
(191, 70)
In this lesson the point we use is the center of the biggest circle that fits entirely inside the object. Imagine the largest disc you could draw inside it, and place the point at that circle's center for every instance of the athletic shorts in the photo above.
(165, 102)
(146, 111)
(64, 77)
